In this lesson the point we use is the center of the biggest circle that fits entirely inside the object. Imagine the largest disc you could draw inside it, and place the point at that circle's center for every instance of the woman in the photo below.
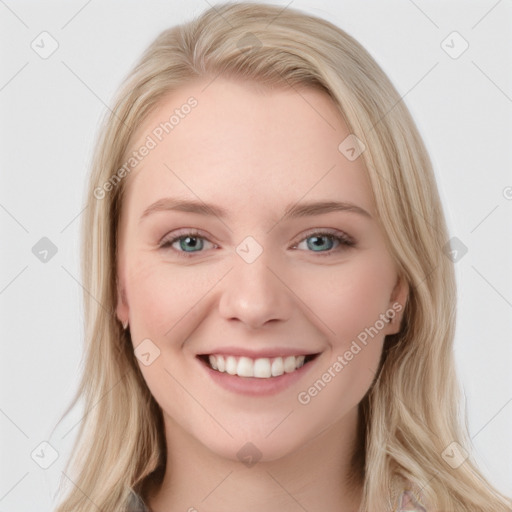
(269, 309)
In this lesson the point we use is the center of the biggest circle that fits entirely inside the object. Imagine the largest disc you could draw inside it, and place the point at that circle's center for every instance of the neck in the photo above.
(316, 476)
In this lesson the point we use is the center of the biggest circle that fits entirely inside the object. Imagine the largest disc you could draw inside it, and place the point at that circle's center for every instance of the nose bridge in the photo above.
(252, 292)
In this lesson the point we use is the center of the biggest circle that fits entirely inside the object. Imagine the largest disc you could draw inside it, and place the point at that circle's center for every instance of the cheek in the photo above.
(153, 306)
(348, 298)
(163, 297)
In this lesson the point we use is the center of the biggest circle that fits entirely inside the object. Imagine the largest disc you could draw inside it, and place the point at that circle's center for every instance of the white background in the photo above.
(49, 114)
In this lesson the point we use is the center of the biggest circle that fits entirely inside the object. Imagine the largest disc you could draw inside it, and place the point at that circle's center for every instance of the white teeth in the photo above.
(245, 367)
(231, 365)
(262, 368)
(220, 362)
(277, 367)
(289, 364)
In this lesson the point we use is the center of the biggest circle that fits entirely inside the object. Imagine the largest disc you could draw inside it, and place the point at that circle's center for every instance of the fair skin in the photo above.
(253, 152)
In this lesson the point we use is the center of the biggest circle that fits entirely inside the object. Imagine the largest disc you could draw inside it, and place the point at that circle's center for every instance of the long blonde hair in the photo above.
(410, 416)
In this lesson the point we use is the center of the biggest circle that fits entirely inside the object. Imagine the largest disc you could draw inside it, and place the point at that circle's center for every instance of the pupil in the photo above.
(190, 242)
(317, 241)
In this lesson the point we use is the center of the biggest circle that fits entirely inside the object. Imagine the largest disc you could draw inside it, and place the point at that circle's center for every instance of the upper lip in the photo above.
(262, 353)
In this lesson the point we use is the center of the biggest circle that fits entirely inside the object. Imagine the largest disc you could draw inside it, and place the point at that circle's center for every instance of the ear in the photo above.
(122, 309)
(397, 302)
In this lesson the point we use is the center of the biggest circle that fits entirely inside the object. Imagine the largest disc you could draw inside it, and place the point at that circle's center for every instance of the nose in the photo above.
(253, 293)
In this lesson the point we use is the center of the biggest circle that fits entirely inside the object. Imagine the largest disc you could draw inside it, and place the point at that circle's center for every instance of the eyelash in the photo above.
(345, 242)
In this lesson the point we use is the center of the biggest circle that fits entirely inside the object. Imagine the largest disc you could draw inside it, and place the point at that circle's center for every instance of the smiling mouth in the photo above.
(261, 368)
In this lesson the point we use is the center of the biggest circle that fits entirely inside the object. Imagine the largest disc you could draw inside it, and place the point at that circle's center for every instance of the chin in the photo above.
(253, 446)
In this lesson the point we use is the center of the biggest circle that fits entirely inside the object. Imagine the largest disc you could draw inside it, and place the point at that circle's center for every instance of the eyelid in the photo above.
(345, 240)
(170, 238)
(326, 231)
(182, 232)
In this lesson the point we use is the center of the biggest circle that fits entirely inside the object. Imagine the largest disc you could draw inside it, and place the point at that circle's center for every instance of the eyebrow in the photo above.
(292, 211)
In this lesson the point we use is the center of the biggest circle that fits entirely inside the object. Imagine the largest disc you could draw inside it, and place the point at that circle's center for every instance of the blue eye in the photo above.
(325, 242)
(190, 240)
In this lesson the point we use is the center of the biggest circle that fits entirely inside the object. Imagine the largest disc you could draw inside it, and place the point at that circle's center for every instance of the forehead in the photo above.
(244, 146)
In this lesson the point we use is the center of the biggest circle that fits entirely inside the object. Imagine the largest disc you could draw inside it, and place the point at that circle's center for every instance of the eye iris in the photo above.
(315, 245)
(196, 243)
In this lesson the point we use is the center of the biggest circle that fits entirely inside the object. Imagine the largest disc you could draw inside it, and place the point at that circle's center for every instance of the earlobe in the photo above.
(400, 292)
(122, 310)
(397, 303)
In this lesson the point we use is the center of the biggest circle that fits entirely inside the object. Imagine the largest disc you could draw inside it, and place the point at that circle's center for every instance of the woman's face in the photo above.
(276, 275)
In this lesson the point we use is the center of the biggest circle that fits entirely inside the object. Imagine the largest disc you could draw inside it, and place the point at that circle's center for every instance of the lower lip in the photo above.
(255, 386)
